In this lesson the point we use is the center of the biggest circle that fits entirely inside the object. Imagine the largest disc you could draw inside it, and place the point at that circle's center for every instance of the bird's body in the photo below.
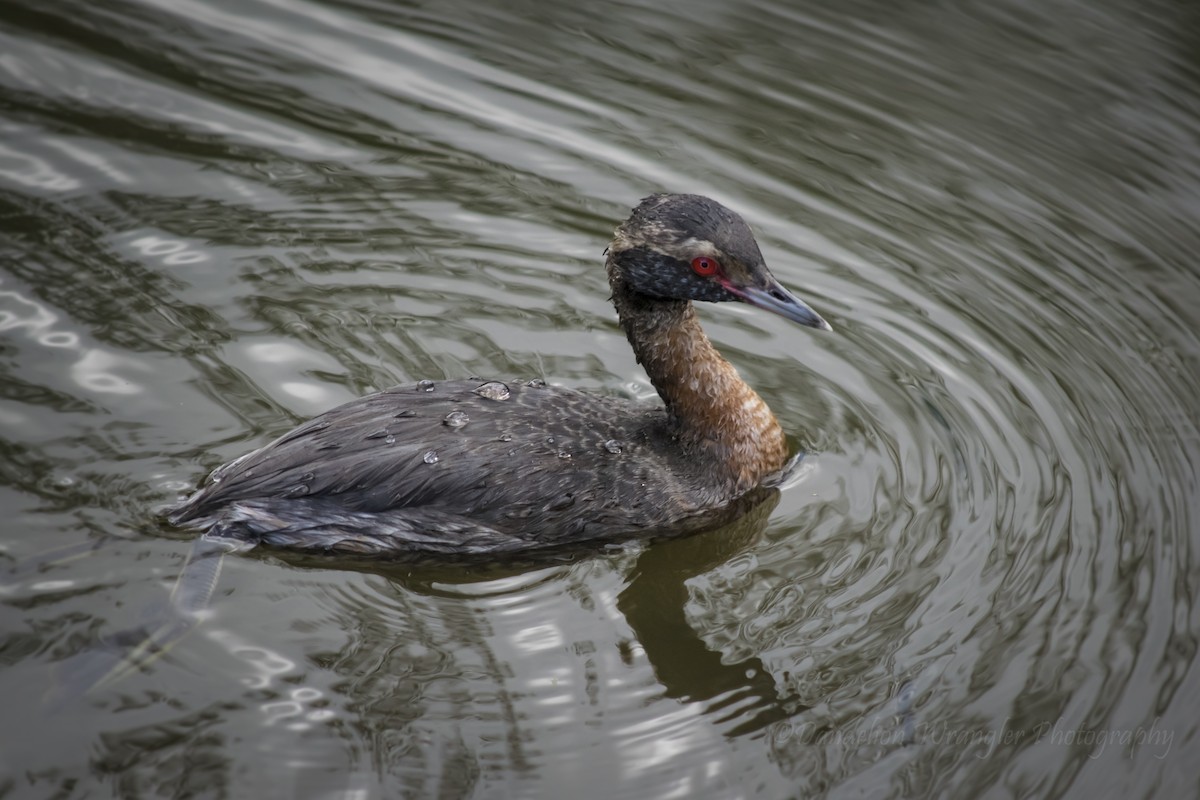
(481, 466)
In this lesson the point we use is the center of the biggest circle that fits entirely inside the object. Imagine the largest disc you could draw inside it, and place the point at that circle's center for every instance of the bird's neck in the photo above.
(716, 414)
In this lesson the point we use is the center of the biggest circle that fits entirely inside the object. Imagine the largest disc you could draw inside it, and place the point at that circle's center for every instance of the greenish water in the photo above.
(220, 218)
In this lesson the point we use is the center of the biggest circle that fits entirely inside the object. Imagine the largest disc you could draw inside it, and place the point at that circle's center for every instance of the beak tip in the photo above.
(778, 300)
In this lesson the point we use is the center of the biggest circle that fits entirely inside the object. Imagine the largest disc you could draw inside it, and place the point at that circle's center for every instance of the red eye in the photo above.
(705, 266)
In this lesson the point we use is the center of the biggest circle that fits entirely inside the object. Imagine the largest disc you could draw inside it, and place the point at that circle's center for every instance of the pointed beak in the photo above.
(780, 301)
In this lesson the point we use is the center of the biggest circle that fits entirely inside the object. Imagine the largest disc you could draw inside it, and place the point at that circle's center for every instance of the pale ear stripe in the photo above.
(701, 247)
(695, 248)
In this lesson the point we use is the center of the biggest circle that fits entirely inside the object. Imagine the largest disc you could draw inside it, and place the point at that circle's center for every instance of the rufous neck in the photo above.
(714, 410)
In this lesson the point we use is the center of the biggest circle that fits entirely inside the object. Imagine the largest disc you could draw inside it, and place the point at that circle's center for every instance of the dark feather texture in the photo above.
(482, 466)
(442, 466)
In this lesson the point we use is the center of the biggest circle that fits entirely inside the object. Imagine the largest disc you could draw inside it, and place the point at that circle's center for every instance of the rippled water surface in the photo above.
(219, 218)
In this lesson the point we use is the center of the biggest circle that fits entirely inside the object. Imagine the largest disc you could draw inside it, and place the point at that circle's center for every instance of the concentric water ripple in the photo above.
(221, 218)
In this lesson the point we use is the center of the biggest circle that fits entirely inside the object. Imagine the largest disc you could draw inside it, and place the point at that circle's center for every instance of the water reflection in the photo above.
(538, 698)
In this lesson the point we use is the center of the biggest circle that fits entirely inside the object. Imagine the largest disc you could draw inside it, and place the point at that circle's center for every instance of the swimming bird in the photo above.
(488, 466)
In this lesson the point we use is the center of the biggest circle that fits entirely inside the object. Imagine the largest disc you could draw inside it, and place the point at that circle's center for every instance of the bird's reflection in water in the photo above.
(654, 604)
(741, 696)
